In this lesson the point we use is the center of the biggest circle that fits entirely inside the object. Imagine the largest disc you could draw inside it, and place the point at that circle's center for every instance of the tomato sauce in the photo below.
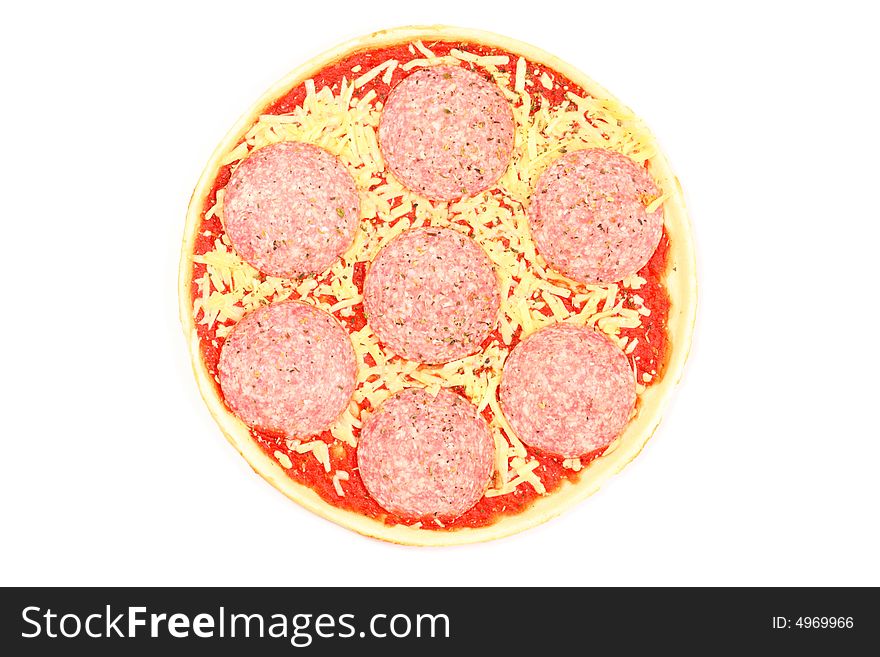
(650, 351)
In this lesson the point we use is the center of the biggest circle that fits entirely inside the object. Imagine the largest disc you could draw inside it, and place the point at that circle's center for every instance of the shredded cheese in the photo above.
(283, 459)
(520, 79)
(573, 464)
(387, 67)
(318, 449)
(338, 477)
(480, 60)
(429, 61)
(422, 49)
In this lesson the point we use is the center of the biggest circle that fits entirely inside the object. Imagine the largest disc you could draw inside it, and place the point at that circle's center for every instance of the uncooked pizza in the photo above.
(437, 285)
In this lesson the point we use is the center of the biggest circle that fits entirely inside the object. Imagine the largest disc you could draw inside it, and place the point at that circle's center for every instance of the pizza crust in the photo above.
(679, 279)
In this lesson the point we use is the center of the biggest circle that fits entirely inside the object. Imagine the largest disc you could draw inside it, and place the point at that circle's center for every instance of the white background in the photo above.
(765, 470)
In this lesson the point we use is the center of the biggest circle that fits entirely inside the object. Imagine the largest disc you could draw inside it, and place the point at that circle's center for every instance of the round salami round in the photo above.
(431, 295)
(288, 367)
(589, 218)
(420, 455)
(446, 132)
(291, 209)
(567, 390)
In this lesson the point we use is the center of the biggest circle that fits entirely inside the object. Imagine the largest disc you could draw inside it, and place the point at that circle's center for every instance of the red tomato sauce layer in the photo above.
(650, 350)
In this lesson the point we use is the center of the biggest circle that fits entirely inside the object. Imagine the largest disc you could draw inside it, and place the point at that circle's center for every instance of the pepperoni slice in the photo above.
(288, 367)
(420, 455)
(431, 295)
(446, 132)
(588, 216)
(291, 209)
(567, 390)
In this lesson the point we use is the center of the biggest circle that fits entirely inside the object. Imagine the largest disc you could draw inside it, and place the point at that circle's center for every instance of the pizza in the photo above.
(437, 285)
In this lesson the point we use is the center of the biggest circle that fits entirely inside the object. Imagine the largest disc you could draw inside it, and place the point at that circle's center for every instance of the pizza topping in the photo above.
(431, 295)
(446, 132)
(423, 455)
(291, 209)
(595, 215)
(288, 367)
(338, 477)
(567, 390)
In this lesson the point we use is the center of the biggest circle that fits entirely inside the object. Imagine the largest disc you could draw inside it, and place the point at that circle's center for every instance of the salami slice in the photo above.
(288, 367)
(291, 209)
(420, 455)
(446, 132)
(431, 295)
(567, 390)
(588, 216)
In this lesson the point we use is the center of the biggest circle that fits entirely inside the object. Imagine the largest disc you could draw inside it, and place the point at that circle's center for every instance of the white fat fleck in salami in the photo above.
(567, 390)
(288, 367)
(588, 218)
(420, 455)
(291, 209)
(431, 295)
(446, 132)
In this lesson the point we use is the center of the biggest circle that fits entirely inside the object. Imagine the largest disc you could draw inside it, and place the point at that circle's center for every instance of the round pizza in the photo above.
(437, 285)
